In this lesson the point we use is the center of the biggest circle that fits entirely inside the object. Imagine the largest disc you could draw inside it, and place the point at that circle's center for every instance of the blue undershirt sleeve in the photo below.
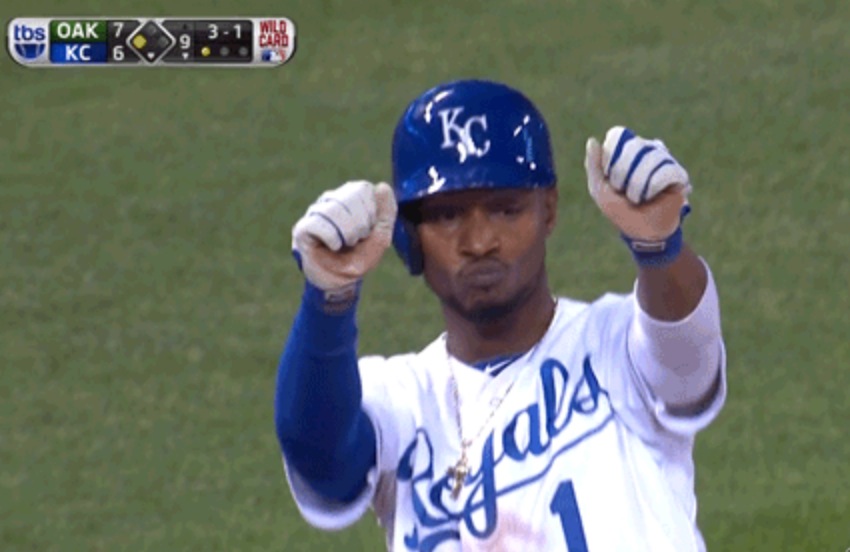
(322, 429)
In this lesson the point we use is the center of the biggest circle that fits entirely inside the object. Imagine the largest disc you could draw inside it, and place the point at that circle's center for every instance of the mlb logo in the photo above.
(27, 41)
(274, 55)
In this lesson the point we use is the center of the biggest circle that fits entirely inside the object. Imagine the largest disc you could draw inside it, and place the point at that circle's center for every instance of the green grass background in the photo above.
(146, 284)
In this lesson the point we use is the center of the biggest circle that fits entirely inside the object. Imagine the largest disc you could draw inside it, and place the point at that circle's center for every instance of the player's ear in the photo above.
(550, 206)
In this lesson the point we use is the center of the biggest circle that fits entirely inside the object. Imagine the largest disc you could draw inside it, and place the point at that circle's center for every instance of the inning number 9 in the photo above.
(185, 41)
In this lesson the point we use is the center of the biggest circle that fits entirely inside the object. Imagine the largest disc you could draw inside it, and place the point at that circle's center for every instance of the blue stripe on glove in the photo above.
(618, 151)
(635, 162)
(645, 191)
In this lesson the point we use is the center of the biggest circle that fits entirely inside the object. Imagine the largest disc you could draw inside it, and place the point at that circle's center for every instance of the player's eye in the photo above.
(441, 213)
(509, 209)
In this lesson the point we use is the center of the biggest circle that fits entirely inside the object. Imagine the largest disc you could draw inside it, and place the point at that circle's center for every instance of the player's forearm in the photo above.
(672, 292)
(321, 428)
(680, 358)
(317, 376)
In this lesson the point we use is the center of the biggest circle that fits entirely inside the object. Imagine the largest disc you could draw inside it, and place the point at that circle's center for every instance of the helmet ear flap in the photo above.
(407, 245)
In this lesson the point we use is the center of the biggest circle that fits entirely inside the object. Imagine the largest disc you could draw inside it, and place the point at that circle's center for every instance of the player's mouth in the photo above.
(483, 274)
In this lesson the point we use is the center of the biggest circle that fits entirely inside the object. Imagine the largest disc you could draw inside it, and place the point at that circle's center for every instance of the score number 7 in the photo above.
(565, 506)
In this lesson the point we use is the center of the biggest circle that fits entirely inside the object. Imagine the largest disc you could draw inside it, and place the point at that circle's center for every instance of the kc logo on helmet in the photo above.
(459, 136)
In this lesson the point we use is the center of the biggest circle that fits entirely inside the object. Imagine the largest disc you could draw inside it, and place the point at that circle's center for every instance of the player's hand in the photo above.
(344, 234)
(637, 184)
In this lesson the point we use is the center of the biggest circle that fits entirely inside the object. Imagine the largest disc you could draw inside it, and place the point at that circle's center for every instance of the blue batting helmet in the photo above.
(465, 135)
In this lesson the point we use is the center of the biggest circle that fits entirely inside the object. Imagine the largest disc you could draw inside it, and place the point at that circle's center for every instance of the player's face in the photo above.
(485, 250)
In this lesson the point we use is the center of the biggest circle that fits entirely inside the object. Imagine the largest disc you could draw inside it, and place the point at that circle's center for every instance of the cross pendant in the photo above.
(459, 472)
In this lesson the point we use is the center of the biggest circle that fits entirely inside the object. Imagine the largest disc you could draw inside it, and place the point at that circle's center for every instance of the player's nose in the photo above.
(479, 236)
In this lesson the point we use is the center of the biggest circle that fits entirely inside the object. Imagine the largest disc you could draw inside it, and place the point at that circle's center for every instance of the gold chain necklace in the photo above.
(461, 469)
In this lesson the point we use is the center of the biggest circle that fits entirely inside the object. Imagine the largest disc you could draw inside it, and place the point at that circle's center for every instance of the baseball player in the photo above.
(533, 422)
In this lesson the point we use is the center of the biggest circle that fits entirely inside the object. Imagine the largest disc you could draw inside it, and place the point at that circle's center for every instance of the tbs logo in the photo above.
(27, 40)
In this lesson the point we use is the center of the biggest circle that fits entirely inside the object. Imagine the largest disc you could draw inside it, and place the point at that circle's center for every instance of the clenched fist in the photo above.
(637, 184)
(344, 234)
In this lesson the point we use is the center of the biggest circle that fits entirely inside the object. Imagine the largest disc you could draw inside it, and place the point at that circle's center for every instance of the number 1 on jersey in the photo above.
(565, 506)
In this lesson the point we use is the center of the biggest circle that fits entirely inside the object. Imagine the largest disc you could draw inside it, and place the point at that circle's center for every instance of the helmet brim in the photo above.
(434, 181)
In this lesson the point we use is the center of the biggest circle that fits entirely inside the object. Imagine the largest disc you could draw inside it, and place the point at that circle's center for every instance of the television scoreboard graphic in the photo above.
(151, 42)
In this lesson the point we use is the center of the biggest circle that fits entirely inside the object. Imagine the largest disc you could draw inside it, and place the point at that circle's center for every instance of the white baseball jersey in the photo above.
(579, 455)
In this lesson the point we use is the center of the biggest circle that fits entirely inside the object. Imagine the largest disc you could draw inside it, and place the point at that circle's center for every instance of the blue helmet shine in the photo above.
(465, 135)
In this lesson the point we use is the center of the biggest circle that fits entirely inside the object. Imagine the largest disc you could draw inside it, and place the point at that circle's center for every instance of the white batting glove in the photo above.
(637, 184)
(344, 234)
(639, 168)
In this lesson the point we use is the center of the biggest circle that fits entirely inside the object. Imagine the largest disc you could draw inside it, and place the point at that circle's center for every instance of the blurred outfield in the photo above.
(146, 285)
